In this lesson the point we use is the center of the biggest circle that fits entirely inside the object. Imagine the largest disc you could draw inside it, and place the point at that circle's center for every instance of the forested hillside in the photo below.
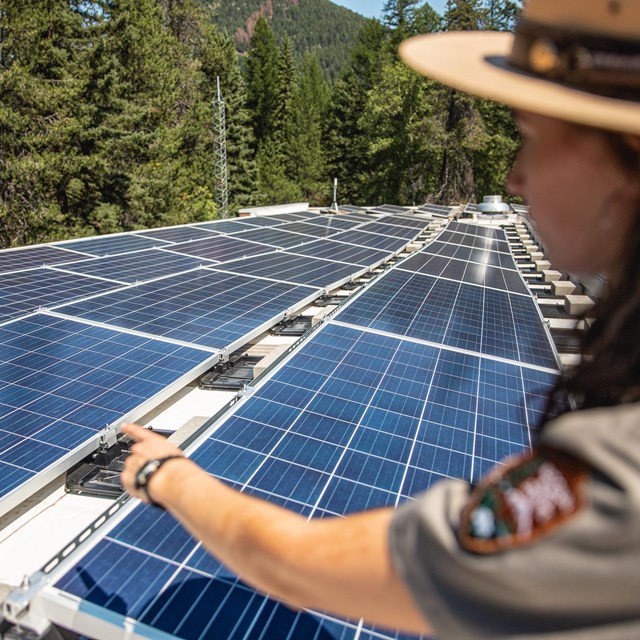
(319, 27)
(106, 117)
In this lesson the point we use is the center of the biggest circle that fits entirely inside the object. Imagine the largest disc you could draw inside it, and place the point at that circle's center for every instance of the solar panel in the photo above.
(434, 208)
(317, 230)
(372, 240)
(407, 233)
(477, 242)
(138, 266)
(347, 208)
(343, 252)
(26, 291)
(358, 215)
(454, 314)
(389, 208)
(112, 245)
(334, 222)
(275, 237)
(475, 230)
(200, 307)
(225, 226)
(481, 273)
(264, 221)
(286, 267)
(185, 233)
(221, 248)
(63, 381)
(34, 257)
(479, 256)
(404, 221)
(298, 215)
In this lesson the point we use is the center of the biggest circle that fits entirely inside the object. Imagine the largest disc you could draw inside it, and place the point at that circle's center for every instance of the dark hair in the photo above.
(609, 372)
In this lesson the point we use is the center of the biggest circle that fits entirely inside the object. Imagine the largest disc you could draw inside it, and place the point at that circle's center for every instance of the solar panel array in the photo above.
(409, 383)
(205, 288)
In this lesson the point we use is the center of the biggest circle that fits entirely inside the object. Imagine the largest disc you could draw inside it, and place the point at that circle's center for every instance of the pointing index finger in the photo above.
(134, 431)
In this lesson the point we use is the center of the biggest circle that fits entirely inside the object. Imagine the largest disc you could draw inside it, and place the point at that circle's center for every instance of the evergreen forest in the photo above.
(106, 111)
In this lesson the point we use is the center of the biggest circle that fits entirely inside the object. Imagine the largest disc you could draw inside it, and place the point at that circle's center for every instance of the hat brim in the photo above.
(476, 62)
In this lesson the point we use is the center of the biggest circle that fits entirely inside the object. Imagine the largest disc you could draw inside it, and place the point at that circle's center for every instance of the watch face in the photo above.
(142, 477)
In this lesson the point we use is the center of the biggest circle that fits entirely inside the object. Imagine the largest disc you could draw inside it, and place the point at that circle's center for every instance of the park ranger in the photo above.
(548, 545)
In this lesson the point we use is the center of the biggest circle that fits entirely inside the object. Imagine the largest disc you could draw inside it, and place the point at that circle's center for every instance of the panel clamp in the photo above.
(17, 610)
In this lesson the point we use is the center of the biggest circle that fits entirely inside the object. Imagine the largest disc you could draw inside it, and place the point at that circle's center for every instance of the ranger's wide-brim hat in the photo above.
(578, 60)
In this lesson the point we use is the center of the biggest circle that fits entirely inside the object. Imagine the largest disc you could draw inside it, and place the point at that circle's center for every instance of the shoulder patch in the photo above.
(518, 503)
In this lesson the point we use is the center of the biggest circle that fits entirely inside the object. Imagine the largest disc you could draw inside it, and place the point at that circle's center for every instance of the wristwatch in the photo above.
(145, 473)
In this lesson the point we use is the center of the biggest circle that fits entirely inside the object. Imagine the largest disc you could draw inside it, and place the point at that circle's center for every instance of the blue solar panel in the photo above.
(62, 381)
(113, 245)
(221, 248)
(455, 314)
(354, 420)
(185, 233)
(25, 292)
(371, 240)
(404, 221)
(138, 266)
(343, 252)
(225, 226)
(275, 237)
(317, 230)
(286, 267)
(476, 230)
(296, 216)
(474, 241)
(408, 233)
(266, 221)
(34, 257)
(200, 307)
(336, 222)
(480, 273)
(479, 256)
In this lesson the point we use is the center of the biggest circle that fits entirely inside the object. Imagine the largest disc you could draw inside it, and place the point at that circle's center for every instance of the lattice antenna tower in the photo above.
(221, 187)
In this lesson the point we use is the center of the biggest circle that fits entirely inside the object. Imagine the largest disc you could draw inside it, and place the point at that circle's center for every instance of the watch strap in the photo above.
(146, 472)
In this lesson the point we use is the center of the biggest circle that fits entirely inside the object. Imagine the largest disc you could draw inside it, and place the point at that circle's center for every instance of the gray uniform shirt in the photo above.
(579, 577)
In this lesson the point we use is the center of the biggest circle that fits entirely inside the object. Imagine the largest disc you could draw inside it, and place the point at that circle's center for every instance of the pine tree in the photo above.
(348, 146)
(305, 154)
(400, 16)
(464, 128)
(40, 118)
(262, 80)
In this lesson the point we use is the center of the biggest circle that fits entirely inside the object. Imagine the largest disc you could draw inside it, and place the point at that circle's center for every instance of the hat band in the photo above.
(600, 65)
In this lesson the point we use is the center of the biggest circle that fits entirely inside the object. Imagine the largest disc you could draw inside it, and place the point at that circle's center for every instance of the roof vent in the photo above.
(494, 204)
